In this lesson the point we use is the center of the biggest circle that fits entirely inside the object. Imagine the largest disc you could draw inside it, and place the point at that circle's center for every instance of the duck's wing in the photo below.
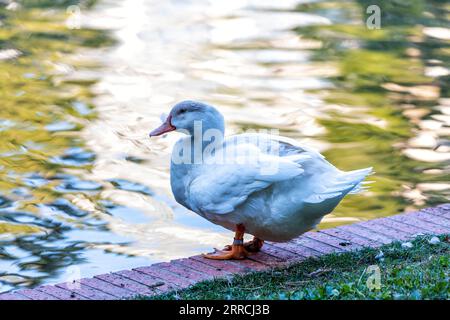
(274, 145)
(219, 188)
(325, 181)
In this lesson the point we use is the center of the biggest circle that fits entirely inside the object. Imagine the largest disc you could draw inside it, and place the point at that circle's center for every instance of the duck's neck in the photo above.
(206, 136)
(189, 152)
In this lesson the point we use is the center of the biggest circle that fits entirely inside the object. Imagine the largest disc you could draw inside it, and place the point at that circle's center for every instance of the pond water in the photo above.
(84, 191)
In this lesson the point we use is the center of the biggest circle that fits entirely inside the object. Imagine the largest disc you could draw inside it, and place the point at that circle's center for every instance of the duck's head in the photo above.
(186, 115)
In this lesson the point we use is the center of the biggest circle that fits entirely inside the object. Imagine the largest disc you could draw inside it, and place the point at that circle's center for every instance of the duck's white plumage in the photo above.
(276, 195)
(273, 186)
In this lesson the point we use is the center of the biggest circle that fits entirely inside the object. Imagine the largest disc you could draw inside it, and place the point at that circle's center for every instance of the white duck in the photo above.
(265, 185)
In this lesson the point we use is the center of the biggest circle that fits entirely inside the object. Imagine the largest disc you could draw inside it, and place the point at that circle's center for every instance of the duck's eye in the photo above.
(182, 111)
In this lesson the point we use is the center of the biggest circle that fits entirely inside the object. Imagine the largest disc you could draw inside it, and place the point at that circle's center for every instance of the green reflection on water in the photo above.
(42, 109)
(376, 69)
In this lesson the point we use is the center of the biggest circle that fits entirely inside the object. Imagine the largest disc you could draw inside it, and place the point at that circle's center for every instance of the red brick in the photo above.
(281, 254)
(445, 215)
(352, 238)
(314, 245)
(266, 259)
(145, 279)
(297, 249)
(60, 293)
(332, 241)
(411, 220)
(85, 291)
(246, 265)
(439, 210)
(108, 288)
(444, 207)
(12, 296)
(34, 294)
(166, 276)
(395, 225)
(128, 284)
(251, 264)
(394, 235)
(183, 272)
(201, 267)
(227, 266)
(360, 231)
(439, 220)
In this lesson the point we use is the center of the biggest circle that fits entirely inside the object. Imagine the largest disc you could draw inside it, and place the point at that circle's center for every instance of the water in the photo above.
(82, 185)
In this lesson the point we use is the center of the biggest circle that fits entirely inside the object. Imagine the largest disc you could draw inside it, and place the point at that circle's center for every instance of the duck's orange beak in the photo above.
(165, 127)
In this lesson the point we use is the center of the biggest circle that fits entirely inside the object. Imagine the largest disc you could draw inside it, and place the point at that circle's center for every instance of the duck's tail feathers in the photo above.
(356, 178)
(345, 182)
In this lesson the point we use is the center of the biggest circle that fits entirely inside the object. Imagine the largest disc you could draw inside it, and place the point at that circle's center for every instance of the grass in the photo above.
(420, 272)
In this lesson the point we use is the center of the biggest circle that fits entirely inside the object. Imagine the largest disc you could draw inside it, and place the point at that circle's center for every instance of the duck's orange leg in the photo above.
(237, 250)
(254, 245)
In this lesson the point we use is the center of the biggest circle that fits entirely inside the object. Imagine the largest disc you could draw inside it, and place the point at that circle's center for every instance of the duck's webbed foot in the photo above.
(236, 252)
(254, 245)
